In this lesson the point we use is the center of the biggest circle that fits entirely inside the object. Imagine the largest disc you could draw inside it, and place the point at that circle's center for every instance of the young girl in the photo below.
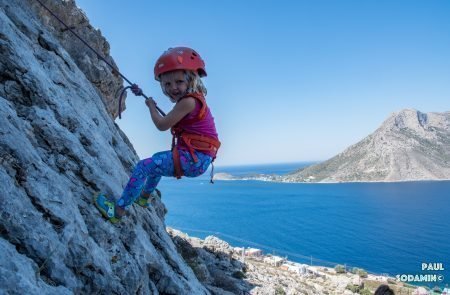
(195, 141)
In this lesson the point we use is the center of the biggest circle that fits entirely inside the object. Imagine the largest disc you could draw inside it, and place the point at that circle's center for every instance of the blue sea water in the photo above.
(385, 228)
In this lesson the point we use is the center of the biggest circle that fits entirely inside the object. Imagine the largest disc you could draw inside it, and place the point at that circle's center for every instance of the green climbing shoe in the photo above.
(106, 207)
(144, 198)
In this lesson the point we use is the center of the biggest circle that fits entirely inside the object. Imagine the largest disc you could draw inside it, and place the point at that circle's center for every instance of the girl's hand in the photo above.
(150, 103)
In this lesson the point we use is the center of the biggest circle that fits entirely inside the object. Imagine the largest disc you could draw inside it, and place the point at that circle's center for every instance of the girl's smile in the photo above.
(174, 84)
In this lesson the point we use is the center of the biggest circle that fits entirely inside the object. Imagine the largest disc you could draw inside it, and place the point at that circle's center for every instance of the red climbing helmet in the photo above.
(179, 58)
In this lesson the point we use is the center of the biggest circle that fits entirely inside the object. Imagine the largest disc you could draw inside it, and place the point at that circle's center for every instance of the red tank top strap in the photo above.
(202, 113)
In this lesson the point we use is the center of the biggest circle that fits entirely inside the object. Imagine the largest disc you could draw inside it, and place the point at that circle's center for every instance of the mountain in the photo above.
(409, 145)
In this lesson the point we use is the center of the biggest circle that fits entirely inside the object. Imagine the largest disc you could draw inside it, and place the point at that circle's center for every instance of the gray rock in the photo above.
(212, 262)
(97, 71)
(59, 146)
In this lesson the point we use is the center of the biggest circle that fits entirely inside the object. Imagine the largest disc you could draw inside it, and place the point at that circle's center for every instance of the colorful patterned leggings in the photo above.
(148, 172)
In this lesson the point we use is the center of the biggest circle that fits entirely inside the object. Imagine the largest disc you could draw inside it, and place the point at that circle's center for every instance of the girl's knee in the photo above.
(142, 165)
(194, 169)
(160, 164)
(162, 156)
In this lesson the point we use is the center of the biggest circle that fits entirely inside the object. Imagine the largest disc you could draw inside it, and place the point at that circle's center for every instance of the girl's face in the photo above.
(174, 84)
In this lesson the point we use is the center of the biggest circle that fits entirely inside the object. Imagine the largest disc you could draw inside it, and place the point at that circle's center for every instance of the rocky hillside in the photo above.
(409, 145)
(215, 262)
(58, 147)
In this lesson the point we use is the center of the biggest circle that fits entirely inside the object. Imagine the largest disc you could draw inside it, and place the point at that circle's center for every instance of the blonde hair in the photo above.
(194, 81)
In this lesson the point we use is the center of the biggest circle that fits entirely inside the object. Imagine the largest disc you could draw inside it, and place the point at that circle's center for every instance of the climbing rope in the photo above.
(99, 56)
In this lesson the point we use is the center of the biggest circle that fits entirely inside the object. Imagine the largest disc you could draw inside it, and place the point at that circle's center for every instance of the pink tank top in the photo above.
(203, 127)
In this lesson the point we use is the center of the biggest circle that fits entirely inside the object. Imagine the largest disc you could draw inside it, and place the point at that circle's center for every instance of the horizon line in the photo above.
(271, 163)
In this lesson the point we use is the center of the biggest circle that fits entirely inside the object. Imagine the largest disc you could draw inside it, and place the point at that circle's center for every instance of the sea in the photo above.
(391, 229)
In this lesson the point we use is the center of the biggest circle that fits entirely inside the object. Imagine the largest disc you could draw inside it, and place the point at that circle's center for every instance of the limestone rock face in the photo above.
(106, 81)
(59, 146)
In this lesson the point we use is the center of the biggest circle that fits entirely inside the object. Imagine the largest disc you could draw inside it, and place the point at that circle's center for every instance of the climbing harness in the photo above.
(194, 142)
(99, 56)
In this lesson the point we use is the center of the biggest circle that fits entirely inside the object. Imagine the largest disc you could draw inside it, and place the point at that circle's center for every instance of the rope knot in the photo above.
(136, 90)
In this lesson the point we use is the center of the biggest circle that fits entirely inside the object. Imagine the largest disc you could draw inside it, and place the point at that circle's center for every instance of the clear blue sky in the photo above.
(287, 81)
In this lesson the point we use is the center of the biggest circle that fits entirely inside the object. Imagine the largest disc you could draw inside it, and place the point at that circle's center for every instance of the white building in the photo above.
(274, 260)
(298, 269)
(253, 252)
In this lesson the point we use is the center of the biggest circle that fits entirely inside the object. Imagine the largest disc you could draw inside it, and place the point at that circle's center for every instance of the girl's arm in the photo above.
(181, 109)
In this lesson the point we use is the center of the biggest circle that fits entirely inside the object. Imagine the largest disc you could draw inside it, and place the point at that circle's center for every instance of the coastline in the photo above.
(262, 273)
(267, 178)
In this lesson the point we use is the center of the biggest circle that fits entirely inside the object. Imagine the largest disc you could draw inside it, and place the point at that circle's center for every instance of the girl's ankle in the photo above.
(145, 195)
(119, 212)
